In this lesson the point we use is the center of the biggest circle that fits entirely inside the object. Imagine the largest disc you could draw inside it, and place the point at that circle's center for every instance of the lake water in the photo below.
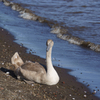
(73, 25)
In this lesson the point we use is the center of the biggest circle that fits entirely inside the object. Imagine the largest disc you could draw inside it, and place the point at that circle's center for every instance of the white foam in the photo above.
(21, 12)
(95, 47)
(65, 37)
(26, 16)
(59, 35)
(7, 3)
(34, 17)
(15, 7)
(55, 30)
(74, 41)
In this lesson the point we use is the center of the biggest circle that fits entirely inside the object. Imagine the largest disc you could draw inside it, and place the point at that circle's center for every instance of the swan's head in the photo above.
(16, 60)
(49, 44)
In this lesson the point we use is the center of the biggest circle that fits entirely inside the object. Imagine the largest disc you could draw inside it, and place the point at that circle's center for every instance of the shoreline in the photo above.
(67, 89)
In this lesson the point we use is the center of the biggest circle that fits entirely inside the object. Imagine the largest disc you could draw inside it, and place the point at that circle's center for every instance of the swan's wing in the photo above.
(30, 66)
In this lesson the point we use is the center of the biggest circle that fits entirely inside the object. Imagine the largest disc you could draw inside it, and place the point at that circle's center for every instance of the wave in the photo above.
(60, 31)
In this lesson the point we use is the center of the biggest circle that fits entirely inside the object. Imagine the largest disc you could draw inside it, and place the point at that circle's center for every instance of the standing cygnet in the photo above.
(34, 72)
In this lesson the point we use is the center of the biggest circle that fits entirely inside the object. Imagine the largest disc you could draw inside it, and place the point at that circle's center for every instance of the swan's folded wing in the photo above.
(30, 66)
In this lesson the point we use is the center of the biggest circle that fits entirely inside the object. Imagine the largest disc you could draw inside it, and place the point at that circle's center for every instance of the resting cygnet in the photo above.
(34, 72)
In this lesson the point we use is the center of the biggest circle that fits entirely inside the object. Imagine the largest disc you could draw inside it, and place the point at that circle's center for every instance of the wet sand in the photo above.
(12, 89)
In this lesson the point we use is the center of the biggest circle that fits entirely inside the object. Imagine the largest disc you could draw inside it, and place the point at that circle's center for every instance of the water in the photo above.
(80, 18)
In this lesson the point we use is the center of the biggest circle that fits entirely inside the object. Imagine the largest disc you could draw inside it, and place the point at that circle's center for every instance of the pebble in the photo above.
(2, 63)
(32, 84)
(19, 90)
(70, 95)
(94, 92)
(7, 73)
(73, 98)
(85, 91)
(58, 64)
(85, 96)
(57, 86)
(1, 88)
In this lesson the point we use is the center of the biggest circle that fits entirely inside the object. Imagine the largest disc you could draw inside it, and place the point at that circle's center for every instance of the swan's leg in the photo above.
(29, 82)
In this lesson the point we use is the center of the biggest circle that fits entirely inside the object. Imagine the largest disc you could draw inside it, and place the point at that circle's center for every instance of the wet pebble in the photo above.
(88, 85)
(94, 92)
(58, 64)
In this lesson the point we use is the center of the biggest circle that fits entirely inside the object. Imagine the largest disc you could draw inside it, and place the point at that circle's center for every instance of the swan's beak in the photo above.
(48, 47)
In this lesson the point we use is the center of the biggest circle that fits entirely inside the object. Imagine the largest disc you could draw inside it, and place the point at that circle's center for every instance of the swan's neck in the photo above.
(49, 65)
(51, 76)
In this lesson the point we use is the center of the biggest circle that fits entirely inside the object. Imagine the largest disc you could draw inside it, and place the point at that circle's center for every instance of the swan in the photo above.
(34, 72)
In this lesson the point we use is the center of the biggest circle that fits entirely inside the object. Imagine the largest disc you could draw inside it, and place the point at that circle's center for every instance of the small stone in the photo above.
(1, 88)
(32, 84)
(19, 90)
(58, 64)
(7, 73)
(2, 63)
(94, 92)
(73, 98)
(70, 95)
(57, 86)
(85, 96)
(85, 91)
(63, 82)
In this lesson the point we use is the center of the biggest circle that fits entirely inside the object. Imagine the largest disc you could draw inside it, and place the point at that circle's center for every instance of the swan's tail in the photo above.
(16, 60)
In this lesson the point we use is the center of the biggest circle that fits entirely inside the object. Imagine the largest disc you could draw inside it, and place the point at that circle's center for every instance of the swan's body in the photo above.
(34, 72)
